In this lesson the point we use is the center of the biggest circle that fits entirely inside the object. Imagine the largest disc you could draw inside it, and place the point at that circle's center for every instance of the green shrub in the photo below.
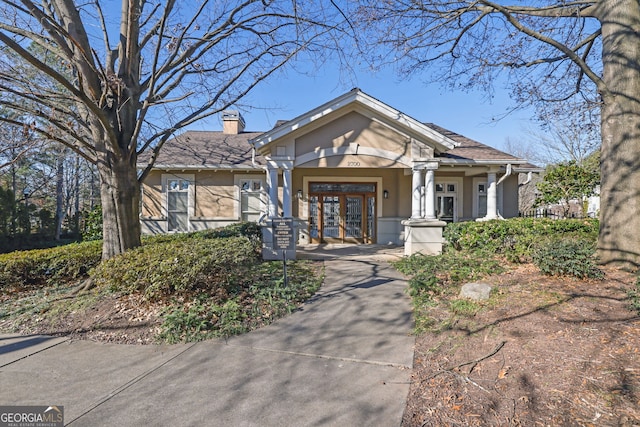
(178, 267)
(259, 299)
(432, 274)
(250, 230)
(567, 257)
(92, 227)
(185, 324)
(54, 265)
(516, 237)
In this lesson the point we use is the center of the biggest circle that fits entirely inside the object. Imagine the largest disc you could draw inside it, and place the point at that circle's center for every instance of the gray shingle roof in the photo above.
(470, 149)
(217, 150)
(207, 150)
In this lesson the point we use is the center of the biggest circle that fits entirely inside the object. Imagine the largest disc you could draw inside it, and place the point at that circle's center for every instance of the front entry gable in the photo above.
(353, 140)
(354, 124)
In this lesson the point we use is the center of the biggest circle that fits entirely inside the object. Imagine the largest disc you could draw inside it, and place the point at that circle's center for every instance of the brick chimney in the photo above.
(232, 122)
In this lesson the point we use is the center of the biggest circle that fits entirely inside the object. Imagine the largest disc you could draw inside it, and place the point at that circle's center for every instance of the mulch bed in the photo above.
(550, 352)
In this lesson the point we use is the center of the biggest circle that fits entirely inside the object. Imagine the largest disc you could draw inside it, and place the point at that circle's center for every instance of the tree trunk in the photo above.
(59, 216)
(120, 195)
(76, 195)
(619, 238)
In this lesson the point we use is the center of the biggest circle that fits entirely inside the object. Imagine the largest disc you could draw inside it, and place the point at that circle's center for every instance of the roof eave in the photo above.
(482, 162)
(525, 169)
(205, 167)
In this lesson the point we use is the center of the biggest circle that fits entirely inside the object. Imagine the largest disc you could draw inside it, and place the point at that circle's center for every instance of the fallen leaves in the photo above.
(503, 372)
(565, 363)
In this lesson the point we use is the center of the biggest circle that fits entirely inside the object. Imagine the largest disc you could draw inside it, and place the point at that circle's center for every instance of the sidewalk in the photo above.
(345, 359)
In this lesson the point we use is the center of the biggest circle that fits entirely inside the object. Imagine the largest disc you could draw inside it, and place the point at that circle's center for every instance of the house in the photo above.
(353, 170)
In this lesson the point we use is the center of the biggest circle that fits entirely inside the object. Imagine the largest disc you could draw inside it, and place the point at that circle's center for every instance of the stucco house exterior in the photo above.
(353, 170)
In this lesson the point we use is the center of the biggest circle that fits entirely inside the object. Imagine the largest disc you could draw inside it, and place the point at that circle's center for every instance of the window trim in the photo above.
(476, 195)
(166, 177)
(237, 181)
(458, 194)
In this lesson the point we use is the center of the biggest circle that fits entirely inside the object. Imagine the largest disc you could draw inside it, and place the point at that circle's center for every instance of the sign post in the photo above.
(284, 240)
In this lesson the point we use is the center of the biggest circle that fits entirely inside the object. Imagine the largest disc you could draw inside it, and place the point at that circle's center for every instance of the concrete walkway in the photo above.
(345, 359)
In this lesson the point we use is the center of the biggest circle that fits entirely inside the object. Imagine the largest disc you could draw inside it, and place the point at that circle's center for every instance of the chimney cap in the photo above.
(232, 115)
(233, 122)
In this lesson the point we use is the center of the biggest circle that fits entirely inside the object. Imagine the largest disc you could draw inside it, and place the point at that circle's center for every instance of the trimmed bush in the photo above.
(515, 237)
(178, 267)
(250, 230)
(53, 266)
(567, 257)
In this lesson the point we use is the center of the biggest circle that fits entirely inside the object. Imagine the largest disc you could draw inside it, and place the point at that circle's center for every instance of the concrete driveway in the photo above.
(344, 359)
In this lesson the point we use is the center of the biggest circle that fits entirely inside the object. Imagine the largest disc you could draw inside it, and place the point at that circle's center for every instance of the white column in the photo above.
(492, 196)
(286, 193)
(430, 194)
(415, 193)
(272, 185)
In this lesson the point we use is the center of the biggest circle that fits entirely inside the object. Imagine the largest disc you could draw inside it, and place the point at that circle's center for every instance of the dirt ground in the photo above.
(121, 320)
(544, 352)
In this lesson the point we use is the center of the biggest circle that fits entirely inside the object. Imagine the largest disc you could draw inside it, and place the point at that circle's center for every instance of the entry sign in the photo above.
(283, 236)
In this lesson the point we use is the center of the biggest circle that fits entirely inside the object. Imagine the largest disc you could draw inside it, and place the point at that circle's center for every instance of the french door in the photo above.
(342, 217)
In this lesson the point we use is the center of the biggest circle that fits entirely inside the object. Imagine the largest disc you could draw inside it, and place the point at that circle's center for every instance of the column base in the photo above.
(423, 236)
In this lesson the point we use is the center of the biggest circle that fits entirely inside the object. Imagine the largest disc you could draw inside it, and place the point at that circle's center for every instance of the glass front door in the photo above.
(342, 217)
(331, 217)
(353, 217)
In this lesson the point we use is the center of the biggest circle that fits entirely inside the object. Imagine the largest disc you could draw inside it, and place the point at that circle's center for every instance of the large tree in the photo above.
(137, 75)
(552, 53)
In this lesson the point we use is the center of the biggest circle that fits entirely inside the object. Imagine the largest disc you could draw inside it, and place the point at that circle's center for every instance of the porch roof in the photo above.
(471, 151)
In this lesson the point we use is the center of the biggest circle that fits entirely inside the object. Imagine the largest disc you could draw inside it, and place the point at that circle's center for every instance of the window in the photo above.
(252, 198)
(482, 199)
(446, 201)
(178, 201)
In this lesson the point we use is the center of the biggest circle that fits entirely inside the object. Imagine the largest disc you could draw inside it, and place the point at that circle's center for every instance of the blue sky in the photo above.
(289, 94)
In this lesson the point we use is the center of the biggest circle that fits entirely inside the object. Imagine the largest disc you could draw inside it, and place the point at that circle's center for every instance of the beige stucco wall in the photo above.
(510, 206)
(152, 195)
(215, 193)
(467, 198)
(348, 131)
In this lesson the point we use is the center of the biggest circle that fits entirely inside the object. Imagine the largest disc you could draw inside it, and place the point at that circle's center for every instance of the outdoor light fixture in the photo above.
(385, 194)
